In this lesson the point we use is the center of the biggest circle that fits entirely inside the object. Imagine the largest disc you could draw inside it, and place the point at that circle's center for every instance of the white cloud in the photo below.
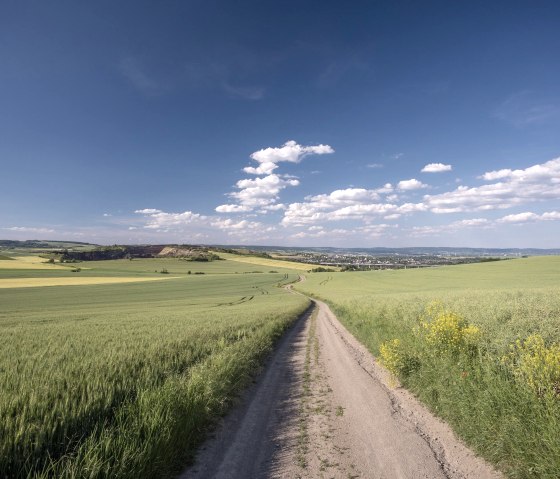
(386, 188)
(367, 231)
(260, 192)
(30, 229)
(290, 152)
(160, 220)
(529, 217)
(496, 175)
(148, 211)
(473, 222)
(233, 208)
(551, 215)
(374, 165)
(436, 168)
(106, 215)
(276, 207)
(519, 218)
(536, 183)
(263, 192)
(229, 224)
(412, 184)
(300, 214)
(265, 168)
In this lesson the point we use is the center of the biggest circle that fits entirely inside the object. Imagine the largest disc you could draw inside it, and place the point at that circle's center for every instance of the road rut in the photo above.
(324, 408)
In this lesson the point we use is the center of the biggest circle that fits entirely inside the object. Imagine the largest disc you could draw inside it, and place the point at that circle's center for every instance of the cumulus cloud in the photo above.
(528, 217)
(158, 219)
(290, 152)
(265, 168)
(436, 168)
(495, 175)
(367, 231)
(260, 192)
(519, 218)
(551, 215)
(538, 182)
(275, 207)
(412, 184)
(300, 214)
(233, 208)
(263, 192)
(148, 211)
(229, 224)
(485, 223)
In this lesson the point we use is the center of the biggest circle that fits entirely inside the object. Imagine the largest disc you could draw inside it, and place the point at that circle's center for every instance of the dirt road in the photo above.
(324, 409)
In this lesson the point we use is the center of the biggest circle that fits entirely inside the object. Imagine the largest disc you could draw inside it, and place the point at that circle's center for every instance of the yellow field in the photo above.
(273, 263)
(28, 262)
(77, 281)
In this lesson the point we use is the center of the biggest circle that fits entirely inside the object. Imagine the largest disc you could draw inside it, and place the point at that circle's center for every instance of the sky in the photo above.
(285, 122)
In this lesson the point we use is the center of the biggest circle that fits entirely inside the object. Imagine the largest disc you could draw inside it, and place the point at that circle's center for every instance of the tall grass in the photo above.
(97, 384)
(473, 363)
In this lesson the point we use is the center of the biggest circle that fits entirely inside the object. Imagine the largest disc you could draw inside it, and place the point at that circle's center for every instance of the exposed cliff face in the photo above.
(177, 251)
(113, 252)
(188, 253)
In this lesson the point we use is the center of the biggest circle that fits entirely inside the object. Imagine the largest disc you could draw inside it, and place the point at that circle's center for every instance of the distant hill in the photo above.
(186, 252)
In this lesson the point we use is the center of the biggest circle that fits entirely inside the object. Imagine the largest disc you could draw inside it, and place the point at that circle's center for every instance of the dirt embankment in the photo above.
(324, 408)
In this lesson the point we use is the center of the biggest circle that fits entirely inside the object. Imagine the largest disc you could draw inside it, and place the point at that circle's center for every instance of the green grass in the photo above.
(495, 413)
(123, 380)
(143, 268)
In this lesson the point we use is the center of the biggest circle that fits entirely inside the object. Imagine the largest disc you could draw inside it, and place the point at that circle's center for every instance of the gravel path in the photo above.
(323, 408)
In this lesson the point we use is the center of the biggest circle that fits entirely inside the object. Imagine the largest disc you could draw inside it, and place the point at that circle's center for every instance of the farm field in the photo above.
(267, 262)
(121, 380)
(478, 344)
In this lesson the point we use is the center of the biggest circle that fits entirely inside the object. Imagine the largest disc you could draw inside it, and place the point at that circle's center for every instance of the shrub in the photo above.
(446, 331)
(397, 359)
(535, 365)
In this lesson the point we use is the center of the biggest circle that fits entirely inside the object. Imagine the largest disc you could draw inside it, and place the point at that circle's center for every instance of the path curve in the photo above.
(325, 408)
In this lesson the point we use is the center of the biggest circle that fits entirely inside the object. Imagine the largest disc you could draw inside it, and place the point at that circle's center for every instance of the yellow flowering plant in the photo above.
(536, 365)
(447, 331)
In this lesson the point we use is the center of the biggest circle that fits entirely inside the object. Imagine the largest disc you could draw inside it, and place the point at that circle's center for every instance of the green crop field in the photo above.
(479, 344)
(122, 380)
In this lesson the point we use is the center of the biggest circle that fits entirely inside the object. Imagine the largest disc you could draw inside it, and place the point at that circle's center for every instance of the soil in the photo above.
(323, 408)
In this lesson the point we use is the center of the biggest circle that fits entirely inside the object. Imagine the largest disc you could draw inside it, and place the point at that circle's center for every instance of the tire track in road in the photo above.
(324, 408)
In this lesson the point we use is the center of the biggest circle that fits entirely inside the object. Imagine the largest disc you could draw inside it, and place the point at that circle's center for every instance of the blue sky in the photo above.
(281, 122)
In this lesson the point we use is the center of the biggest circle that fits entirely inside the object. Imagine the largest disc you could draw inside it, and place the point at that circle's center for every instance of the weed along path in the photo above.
(323, 408)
